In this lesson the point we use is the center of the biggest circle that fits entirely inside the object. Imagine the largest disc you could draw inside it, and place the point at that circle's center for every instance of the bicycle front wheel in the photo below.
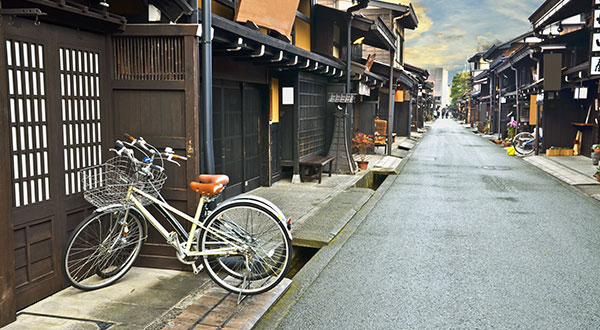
(524, 143)
(264, 248)
(102, 249)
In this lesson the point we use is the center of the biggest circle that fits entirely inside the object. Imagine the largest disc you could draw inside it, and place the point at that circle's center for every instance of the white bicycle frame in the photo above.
(171, 237)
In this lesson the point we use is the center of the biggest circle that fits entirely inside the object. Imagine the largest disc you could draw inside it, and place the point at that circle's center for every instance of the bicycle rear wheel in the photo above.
(102, 249)
(524, 143)
(266, 251)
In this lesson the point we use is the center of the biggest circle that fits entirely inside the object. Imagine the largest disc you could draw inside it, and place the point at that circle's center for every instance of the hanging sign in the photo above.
(595, 42)
(595, 65)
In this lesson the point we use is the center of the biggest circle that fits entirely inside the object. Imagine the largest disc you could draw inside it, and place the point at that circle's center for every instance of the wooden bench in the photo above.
(317, 163)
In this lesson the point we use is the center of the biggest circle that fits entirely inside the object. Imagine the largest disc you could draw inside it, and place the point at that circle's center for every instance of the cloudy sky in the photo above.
(450, 31)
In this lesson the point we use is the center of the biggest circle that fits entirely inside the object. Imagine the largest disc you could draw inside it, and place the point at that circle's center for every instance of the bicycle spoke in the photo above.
(266, 255)
(99, 252)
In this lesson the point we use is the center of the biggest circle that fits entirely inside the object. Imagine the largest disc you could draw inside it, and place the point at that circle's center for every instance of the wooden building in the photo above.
(566, 29)
(75, 83)
(56, 106)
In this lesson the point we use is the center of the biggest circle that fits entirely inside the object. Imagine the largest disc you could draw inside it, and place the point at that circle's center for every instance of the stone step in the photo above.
(326, 223)
(219, 309)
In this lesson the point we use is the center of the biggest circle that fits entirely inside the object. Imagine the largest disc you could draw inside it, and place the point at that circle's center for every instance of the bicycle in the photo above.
(244, 244)
(524, 143)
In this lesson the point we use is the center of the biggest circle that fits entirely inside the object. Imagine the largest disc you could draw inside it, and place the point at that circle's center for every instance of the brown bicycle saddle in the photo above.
(209, 185)
(219, 178)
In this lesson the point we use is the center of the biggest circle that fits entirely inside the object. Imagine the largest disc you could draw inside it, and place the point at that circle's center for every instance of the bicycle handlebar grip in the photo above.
(120, 144)
(179, 157)
(127, 136)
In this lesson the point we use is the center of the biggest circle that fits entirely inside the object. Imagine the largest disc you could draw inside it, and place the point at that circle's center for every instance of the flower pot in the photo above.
(363, 165)
(507, 144)
(595, 158)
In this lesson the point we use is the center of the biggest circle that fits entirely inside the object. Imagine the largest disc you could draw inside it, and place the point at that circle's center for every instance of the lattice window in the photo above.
(80, 103)
(311, 112)
(28, 122)
(148, 58)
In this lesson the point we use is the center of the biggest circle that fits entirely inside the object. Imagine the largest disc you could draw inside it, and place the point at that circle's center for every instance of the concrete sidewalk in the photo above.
(576, 171)
(148, 298)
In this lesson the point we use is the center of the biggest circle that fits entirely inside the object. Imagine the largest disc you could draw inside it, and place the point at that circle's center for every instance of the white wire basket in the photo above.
(106, 185)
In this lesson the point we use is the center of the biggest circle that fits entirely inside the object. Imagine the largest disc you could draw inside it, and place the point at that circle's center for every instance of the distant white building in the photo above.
(441, 93)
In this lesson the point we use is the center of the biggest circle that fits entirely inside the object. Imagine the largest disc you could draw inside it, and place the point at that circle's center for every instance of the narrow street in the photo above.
(466, 237)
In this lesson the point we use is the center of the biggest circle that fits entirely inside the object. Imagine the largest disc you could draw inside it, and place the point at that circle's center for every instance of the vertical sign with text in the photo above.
(595, 42)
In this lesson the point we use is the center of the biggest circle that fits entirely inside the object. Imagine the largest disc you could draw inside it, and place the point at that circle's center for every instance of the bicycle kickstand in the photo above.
(197, 269)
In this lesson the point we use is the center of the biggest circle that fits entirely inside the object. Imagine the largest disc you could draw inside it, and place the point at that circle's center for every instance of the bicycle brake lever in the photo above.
(172, 161)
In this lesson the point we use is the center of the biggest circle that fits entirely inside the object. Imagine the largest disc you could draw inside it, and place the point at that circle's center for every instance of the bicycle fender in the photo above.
(259, 202)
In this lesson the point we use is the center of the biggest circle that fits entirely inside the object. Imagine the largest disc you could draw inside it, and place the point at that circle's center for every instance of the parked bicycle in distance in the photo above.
(524, 143)
(244, 244)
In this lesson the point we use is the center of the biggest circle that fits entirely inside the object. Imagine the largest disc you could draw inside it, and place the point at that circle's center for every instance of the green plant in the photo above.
(362, 142)
(598, 170)
(596, 147)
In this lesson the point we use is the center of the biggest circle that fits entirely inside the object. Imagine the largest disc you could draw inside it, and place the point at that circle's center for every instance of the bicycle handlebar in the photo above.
(142, 145)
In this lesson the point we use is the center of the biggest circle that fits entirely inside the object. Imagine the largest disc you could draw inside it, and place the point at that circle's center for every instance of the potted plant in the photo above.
(595, 154)
(362, 142)
(511, 127)
(507, 142)
(597, 174)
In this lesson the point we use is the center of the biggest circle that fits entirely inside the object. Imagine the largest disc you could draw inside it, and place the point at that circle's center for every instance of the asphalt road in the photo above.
(466, 238)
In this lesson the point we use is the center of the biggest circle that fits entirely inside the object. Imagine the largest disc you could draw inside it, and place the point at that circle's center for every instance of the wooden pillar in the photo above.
(8, 305)
(192, 115)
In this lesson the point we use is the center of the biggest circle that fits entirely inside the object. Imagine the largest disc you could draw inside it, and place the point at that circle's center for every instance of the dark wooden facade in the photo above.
(304, 124)
(58, 122)
(42, 222)
(154, 94)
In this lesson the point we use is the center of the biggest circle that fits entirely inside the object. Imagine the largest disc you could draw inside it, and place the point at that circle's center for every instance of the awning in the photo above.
(360, 73)
(400, 75)
(246, 44)
(66, 13)
(376, 33)
(422, 74)
(552, 11)
(405, 15)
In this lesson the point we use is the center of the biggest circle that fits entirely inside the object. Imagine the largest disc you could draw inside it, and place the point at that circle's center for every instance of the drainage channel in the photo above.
(371, 180)
(301, 255)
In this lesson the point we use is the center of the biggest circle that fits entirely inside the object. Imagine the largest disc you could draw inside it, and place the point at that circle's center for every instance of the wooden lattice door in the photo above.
(55, 130)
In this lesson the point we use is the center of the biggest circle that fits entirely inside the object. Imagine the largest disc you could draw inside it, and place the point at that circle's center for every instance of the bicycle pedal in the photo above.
(197, 269)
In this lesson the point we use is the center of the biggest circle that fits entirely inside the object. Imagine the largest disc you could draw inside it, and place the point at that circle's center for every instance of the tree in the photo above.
(461, 84)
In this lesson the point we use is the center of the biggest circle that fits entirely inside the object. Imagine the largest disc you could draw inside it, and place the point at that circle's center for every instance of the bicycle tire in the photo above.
(523, 143)
(267, 203)
(102, 249)
(265, 261)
